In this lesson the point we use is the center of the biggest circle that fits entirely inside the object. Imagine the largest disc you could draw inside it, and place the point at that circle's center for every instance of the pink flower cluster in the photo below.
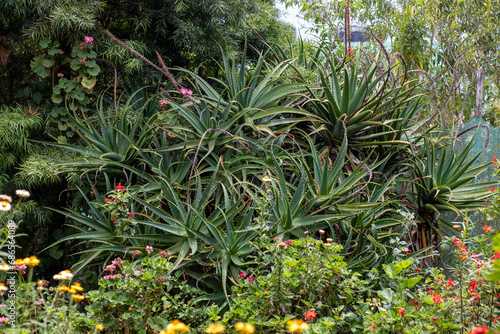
(88, 39)
(249, 279)
(149, 249)
(163, 102)
(109, 276)
(185, 91)
(39, 302)
(4, 319)
(110, 267)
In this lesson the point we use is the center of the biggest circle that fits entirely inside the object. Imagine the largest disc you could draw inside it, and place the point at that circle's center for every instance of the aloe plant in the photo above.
(359, 105)
(443, 182)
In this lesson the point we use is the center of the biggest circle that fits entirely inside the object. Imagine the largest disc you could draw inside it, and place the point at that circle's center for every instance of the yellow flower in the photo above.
(63, 288)
(23, 193)
(175, 326)
(77, 287)
(99, 327)
(78, 298)
(215, 329)
(4, 267)
(3, 287)
(297, 326)
(71, 290)
(244, 328)
(33, 261)
(20, 262)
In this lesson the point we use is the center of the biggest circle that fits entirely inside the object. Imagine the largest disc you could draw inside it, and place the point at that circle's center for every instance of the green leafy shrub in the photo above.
(304, 276)
(144, 296)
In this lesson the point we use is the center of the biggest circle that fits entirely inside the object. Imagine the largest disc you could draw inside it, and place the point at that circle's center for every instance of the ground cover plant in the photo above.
(301, 190)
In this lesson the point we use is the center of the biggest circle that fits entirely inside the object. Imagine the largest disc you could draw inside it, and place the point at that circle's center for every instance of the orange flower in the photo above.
(310, 315)
(486, 228)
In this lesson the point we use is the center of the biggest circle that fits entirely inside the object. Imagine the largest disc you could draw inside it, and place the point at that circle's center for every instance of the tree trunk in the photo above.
(479, 94)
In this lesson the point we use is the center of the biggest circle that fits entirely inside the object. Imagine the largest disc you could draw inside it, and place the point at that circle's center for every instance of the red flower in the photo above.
(120, 188)
(130, 215)
(486, 228)
(492, 189)
(479, 330)
(310, 315)
(416, 308)
(496, 256)
(112, 220)
(450, 283)
(402, 312)
(116, 199)
(243, 275)
(289, 242)
(107, 200)
(493, 160)
(438, 299)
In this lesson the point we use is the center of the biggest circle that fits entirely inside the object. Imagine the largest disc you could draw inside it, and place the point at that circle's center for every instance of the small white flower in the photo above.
(5, 198)
(23, 193)
(5, 206)
(266, 179)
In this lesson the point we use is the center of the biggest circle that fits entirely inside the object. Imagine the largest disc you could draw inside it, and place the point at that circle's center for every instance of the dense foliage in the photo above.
(230, 178)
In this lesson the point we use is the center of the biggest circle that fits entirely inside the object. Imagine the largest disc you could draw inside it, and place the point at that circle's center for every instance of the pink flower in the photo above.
(149, 249)
(372, 326)
(185, 91)
(243, 275)
(163, 102)
(109, 276)
(289, 242)
(251, 278)
(88, 39)
(39, 302)
(276, 238)
(402, 311)
(60, 75)
(110, 267)
(4, 319)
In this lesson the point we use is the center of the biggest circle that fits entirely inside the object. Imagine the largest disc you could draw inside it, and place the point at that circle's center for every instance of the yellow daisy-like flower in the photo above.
(215, 329)
(63, 288)
(33, 261)
(297, 326)
(4, 267)
(71, 290)
(177, 326)
(244, 328)
(78, 298)
(3, 288)
(77, 287)
(99, 327)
